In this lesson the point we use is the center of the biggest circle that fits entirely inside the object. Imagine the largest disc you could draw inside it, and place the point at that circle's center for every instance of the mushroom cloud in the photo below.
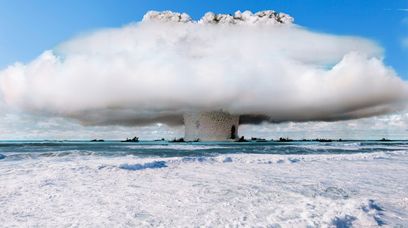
(259, 66)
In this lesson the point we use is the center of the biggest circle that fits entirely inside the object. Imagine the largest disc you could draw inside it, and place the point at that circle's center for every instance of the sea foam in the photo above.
(237, 189)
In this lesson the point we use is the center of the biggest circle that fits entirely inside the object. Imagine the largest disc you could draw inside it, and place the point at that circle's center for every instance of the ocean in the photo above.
(163, 184)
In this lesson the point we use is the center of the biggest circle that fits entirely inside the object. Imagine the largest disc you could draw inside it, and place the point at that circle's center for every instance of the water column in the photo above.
(210, 126)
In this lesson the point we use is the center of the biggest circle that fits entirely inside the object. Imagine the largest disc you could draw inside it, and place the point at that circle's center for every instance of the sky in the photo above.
(27, 28)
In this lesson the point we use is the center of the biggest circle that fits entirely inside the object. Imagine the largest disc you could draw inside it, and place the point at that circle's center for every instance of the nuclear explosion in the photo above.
(210, 74)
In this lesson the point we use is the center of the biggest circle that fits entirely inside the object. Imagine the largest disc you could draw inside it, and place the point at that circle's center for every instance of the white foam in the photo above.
(233, 189)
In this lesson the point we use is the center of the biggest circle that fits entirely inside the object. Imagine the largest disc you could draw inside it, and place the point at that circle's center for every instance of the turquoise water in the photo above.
(15, 150)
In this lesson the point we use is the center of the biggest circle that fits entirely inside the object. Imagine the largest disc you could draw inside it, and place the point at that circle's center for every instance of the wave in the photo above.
(298, 151)
(176, 147)
(315, 190)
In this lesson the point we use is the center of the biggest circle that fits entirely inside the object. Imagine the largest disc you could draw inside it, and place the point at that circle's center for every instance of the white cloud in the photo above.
(155, 70)
(21, 126)
(392, 126)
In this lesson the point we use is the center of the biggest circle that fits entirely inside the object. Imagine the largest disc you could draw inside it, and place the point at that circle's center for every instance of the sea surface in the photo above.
(163, 184)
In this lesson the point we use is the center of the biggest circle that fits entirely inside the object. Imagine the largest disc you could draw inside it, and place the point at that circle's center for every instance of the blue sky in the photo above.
(29, 27)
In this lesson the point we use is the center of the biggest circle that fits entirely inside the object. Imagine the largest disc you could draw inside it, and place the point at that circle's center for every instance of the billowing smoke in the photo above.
(259, 66)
